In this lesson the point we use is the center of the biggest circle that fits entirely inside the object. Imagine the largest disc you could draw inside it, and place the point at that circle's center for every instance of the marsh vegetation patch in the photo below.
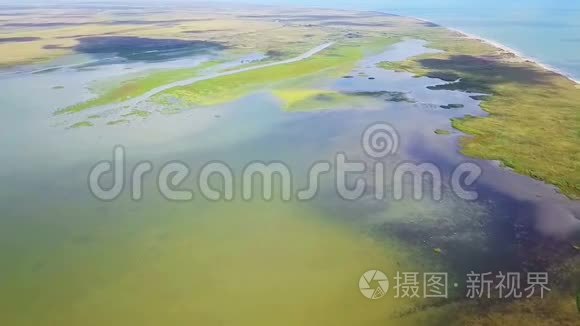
(389, 96)
(442, 132)
(478, 74)
(452, 106)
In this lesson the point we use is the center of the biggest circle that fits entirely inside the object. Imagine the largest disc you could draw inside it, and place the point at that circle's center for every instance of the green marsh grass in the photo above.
(533, 125)
(136, 87)
(333, 62)
(82, 124)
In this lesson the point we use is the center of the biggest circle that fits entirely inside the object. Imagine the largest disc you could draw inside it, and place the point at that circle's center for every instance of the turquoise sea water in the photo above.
(546, 30)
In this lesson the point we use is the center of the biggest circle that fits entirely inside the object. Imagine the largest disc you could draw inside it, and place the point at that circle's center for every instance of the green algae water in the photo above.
(74, 260)
(242, 264)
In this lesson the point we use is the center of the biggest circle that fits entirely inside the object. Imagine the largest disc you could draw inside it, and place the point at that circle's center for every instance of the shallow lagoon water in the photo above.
(72, 259)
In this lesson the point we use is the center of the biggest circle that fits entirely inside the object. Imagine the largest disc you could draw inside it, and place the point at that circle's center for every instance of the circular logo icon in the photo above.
(380, 140)
(373, 284)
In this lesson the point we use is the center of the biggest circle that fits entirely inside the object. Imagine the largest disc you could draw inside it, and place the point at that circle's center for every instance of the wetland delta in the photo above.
(197, 85)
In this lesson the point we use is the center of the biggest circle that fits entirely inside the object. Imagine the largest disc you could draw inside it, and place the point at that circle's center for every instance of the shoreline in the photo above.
(506, 48)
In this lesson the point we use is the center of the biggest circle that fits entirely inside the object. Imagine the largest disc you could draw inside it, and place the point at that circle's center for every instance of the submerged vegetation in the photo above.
(82, 124)
(117, 122)
(137, 113)
(389, 96)
(442, 132)
(452, 106)
(310, 99)
(313, 99)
